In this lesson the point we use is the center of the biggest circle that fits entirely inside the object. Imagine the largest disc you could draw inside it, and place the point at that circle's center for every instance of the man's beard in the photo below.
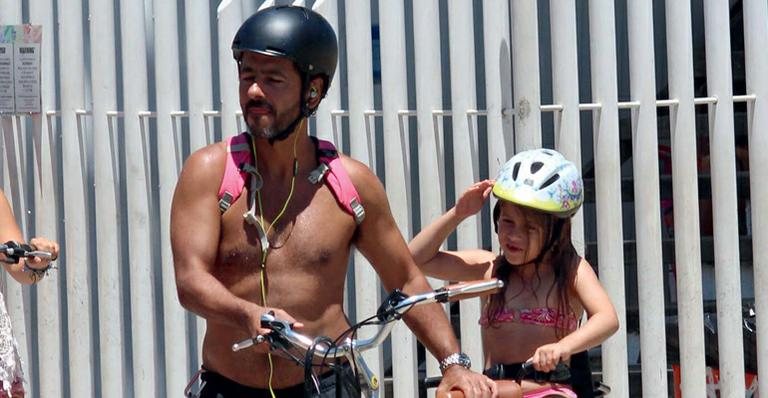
(275, 131)
(265, 132)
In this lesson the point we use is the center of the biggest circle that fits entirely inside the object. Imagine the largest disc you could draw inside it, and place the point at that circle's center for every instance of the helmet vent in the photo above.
(515, 171)
(550, 181)
(536, 166)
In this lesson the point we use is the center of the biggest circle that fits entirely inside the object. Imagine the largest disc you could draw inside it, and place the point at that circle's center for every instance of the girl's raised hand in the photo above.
(472, 200)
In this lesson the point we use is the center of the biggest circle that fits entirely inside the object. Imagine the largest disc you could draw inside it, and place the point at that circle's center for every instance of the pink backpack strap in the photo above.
(330, 169)
(337, 179)
(235, 176)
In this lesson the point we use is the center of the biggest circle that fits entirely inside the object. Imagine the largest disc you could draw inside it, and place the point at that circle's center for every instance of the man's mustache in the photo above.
(259, 104)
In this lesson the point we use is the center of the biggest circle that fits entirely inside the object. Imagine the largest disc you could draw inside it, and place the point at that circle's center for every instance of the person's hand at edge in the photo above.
(473, 385)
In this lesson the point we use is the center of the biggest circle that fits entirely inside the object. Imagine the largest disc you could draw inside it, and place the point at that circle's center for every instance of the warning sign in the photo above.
(20, 68)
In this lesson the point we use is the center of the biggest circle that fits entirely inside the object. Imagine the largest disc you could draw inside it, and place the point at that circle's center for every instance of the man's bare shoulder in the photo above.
(202, 174)
(211, 155)
(355, 168)
(206, 162)
(368, 185)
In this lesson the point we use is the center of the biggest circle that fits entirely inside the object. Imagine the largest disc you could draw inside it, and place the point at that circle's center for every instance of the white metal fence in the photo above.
(432, 95)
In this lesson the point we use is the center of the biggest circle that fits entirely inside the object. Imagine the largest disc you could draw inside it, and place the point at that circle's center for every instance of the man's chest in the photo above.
(313, 233)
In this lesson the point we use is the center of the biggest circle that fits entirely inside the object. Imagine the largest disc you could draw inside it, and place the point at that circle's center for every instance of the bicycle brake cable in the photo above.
(309, 363)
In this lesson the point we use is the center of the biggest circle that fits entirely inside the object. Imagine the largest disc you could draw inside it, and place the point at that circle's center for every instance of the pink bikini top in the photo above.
(543, 316)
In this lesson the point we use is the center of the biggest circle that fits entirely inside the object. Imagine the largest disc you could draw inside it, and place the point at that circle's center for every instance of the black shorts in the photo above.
(218, 386)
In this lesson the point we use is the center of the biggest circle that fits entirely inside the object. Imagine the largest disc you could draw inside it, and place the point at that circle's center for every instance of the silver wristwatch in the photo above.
(458, 358)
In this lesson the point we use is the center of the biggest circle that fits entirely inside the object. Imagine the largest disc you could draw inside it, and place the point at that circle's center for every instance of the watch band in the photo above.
(458, 358)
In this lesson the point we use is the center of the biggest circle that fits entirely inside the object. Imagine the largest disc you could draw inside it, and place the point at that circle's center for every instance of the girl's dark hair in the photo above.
(558, 250)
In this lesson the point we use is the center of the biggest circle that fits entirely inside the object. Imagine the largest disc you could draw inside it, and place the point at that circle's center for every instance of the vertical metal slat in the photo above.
(756, 41)
(645, 162)
(76, 264)
(138, 185)
(362, 145)
(608, 185)
(525, 74)
(724, 206)
(46, 217)
(465, 147)
(169, 100)
(685, 197)
(565, 91)
(106, 177)
(396, 143)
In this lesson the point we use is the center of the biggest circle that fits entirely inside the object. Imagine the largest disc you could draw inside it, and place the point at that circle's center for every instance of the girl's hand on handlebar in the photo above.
(45, 245)
(472, 200)
(546, 357)
(473, 385)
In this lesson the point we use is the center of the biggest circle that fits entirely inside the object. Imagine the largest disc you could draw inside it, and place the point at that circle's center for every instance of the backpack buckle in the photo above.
(225, 202)
(319, 173)
(358, 209)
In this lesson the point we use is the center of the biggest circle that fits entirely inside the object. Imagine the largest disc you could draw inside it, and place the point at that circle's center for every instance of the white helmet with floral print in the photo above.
(541, 179)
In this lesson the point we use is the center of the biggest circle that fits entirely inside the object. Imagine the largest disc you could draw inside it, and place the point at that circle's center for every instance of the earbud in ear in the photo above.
(312, 92)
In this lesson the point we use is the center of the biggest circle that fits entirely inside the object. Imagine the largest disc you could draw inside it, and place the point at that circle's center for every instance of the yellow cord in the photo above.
(285, 205)
(265, 251)
(269, 355)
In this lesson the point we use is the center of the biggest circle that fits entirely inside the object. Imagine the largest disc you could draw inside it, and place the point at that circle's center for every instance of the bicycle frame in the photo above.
(283, 337)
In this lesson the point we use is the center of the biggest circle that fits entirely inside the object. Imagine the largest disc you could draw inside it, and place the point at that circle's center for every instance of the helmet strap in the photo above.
(304, 112)
(288, 130)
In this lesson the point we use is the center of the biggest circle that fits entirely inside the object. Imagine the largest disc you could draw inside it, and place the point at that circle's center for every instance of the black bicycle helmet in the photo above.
(296, 33)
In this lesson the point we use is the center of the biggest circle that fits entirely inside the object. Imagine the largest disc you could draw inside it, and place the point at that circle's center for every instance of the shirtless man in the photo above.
(286, 59)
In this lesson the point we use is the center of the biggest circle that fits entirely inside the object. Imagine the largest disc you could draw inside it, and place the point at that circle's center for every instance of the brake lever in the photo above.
(278, 326)
(388, 307)
(268, 321)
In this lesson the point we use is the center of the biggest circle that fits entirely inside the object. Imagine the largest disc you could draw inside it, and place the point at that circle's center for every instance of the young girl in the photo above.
(547, 284)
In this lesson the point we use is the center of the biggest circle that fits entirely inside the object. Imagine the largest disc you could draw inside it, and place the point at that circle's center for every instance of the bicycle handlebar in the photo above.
(393, 308)
(14, 251)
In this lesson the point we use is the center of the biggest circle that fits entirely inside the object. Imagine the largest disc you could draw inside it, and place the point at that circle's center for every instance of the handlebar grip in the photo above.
(470, 289)
(241, 345)
(507, 389)
(40, 254)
